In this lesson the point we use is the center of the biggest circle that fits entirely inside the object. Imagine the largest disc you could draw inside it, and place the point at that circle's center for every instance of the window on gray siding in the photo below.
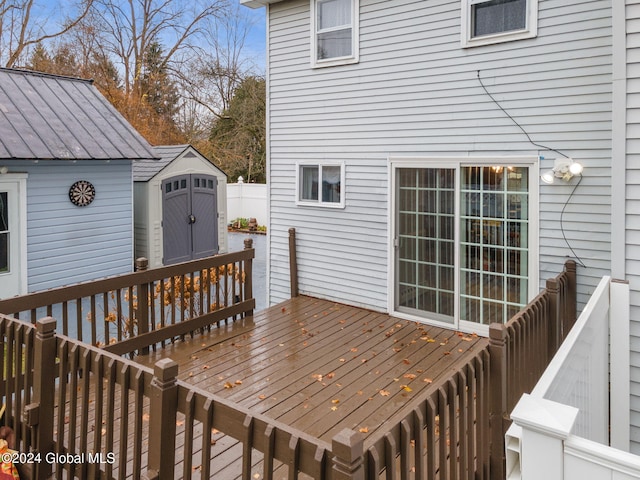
(334, 31)
(321, 184)
(498, 16)
(492, 21)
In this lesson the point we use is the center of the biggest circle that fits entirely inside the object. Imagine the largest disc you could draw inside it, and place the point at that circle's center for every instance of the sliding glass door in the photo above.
(461, 242)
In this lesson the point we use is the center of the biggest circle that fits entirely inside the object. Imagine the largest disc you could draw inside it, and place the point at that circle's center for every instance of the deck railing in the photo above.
(87, 413)
(131, 312)
(456, 430)
(573, 423)
(78, 399)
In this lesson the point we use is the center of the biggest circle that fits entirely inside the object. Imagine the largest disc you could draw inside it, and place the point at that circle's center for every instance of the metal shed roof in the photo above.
(45, 117)
(144, 170)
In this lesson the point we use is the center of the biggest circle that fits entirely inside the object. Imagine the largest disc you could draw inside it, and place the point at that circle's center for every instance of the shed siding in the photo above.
(415, 92)
(148, 225)
(68, 244)
(633, 207)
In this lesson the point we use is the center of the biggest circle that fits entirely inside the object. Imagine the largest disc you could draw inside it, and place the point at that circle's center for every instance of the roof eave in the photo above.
(258, 3)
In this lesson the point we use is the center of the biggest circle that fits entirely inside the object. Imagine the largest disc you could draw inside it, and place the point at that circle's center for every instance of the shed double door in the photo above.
(189, 217)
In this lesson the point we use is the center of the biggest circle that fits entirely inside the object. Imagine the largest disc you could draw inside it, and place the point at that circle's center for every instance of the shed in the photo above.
(180, 211)
(66, 202)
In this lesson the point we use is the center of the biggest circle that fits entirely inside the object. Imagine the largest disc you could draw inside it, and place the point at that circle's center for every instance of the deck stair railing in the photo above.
(149, 307)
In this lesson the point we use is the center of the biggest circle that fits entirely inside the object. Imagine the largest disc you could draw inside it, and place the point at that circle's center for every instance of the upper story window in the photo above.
(335, 32)
(493, 21)
(321, 184)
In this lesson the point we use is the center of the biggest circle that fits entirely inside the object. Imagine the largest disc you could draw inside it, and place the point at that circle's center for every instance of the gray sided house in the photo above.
(180, 206)
(407, 140)
(66, 190)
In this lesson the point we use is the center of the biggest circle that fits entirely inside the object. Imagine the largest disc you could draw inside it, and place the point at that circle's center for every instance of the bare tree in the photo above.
(23, 24)
(132, 27)
(214, 76)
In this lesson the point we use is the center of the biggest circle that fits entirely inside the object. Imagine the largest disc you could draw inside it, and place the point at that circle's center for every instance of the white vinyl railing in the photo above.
(562, 429)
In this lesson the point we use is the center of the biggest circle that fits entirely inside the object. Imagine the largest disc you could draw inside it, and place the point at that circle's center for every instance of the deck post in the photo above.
(571, 294)
(498, 398)
(348, 460)
(40, 413)
(142, 308)
(162, 420)
(248, 275)
(293, 263)
(554, 317)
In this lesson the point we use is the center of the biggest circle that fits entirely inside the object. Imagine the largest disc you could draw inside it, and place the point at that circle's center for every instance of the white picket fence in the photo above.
(575, 423)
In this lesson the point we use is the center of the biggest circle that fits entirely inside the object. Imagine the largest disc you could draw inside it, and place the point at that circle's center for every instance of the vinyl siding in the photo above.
(632, 220)
(415, 92)
(67, 244)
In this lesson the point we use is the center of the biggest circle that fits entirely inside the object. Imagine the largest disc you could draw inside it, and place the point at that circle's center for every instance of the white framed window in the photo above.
(465, 244)
(485, 22)
(320, 184)
(334, 31)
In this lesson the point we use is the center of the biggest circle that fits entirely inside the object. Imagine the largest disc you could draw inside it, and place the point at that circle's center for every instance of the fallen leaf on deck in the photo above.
(385, 393)
(428, 380)
(410, 376)
(228, 385)
(465, 339)
(238, 382)
(145, 417)
(447, 353)
(205, 367)
(179, 423)
(354, 349)
(317, 376)
(334, 409)
(359, 392)
(364, 430)
(406, 388)
(196, 468)
(335, 400)
(262, 397)
(406, 361)
(331, 375)
(342, 360)
(256, 475)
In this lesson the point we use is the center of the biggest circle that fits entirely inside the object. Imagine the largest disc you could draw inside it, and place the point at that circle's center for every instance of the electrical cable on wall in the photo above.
(544, 147)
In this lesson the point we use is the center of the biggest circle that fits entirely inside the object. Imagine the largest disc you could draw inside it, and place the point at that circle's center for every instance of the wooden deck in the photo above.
(320, 366)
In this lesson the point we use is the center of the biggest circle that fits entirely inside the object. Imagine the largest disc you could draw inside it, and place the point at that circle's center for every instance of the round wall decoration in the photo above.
(82, 193)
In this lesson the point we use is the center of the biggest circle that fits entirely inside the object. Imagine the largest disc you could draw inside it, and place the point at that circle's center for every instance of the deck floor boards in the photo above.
(312, 364)
(320, 366)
